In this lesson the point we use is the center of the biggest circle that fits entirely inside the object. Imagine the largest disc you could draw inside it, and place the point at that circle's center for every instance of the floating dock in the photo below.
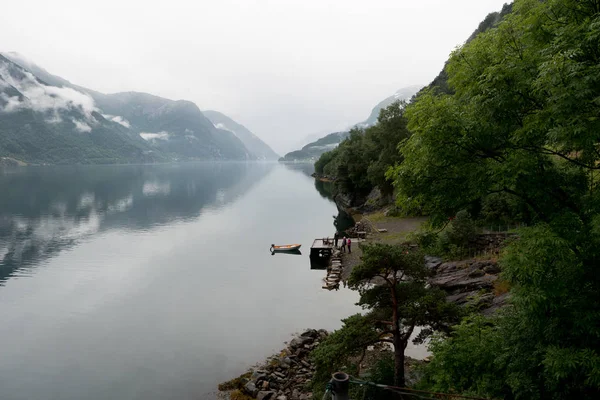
(322, 248)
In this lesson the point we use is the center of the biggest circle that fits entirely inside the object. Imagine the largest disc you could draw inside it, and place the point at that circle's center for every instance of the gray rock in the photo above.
(311, 333)
(459, 279)
(250, 388)
(258, 375)
(492, 268)
(476, 273)
(432, 263)
(265, 395)
(295, 395)
(299, 342)
(282, 397)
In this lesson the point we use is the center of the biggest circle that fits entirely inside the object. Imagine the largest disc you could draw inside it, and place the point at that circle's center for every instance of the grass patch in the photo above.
(235, 383)
(394, 237)
(377, 217)
(501, 286)
(238, 395)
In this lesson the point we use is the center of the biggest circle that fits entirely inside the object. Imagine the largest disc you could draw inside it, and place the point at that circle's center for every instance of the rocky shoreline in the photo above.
(472, 283)
(284, 376)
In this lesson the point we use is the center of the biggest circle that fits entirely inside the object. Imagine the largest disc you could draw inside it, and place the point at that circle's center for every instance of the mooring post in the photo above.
(340, 382)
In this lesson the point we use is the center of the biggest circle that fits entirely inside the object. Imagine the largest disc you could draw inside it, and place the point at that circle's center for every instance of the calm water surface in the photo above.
(154, 282)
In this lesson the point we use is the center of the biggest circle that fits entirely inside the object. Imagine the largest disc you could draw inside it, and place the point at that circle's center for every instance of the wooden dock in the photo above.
(322, 248)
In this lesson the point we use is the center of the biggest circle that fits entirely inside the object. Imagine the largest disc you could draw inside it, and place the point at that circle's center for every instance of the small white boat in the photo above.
(285, 247)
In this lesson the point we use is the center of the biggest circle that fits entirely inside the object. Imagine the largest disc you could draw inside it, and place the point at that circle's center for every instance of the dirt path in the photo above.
(397, 231)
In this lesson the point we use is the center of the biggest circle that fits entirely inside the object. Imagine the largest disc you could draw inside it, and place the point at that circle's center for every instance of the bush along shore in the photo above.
(284, 376)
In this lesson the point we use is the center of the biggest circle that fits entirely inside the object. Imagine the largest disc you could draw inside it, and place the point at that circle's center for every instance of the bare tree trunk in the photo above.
(399, 361)
(398, 343)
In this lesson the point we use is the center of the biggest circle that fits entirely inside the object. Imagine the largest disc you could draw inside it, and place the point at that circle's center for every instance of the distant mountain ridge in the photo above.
(40, 123)
(312, 151)
(159, 129)
(252, 142)
(405, 94)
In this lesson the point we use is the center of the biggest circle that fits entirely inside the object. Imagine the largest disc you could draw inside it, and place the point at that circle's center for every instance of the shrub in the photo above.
(463, 229)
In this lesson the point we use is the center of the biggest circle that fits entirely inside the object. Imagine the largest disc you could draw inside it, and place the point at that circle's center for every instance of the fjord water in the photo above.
(154, 282)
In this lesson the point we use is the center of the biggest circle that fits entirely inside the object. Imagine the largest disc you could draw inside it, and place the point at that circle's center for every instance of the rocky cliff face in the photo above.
(353, 203)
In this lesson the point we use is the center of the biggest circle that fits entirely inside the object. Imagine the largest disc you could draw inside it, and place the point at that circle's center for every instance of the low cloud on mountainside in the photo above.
(42, 98)
(118, 119)
(52, 101)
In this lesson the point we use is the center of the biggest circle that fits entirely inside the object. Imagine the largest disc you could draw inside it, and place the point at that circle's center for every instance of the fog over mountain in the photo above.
(283, 69)
(47, 119)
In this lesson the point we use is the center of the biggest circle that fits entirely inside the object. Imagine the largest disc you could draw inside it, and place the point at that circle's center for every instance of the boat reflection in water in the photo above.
(292, 252)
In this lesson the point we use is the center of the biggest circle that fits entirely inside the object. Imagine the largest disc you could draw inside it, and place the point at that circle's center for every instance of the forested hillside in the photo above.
(511, 131)
(40, 123)
(47, 119)
(313, 150)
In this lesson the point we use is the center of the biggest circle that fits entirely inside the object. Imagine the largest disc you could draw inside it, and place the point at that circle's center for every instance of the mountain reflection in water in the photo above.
(45, 210)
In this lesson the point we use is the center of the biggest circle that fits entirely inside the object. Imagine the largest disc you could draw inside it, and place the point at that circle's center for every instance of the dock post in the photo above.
(340, 382)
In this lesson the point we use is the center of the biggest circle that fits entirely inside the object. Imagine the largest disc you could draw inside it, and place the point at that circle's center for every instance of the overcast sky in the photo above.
(285, 69)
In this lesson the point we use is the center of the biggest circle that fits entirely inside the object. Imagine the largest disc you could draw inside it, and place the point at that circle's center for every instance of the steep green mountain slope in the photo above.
(252, 142)
(40, 123)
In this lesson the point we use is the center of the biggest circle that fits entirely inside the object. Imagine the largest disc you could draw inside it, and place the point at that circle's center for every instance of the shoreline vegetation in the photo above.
(508, 135)
(469, 283)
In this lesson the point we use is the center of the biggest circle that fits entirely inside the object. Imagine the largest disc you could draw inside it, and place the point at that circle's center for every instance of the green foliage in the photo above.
(335, 351)
(453, 241)
(505, 128)
(545, 346)
(399, 301)
(402, 300)
(554, 335)
(503, 209)
(466, 362)
(462, 230)
(361, 161)
(516, 139)
(381, 372)
(325, 159)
